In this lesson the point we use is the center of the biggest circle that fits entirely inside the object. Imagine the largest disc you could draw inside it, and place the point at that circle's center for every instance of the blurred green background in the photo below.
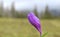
(14, 23)
(22, 28)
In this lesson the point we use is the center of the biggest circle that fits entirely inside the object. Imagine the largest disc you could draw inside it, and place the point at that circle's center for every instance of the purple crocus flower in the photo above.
(35, 21)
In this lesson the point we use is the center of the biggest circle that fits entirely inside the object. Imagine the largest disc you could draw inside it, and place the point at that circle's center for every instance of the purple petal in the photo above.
(34, 21)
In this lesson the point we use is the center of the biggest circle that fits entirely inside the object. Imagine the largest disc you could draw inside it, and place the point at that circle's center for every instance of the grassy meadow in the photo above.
(10, 27)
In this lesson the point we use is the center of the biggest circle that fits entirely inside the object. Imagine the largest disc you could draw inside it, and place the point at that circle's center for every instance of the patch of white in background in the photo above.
(7, 3)
(25, 5)
(29, 4)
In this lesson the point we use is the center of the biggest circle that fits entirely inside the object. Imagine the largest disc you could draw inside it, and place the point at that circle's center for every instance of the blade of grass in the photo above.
(44, 34)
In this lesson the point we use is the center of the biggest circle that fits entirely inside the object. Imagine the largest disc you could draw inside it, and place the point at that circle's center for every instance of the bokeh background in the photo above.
(14, 23)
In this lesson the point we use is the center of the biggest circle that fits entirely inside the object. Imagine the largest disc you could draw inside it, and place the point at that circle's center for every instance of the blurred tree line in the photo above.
(23, 14)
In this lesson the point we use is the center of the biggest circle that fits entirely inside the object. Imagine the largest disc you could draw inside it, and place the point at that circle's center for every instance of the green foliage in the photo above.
(21, 15)
(1, 9)
(17, 15)
(35, 11)
(12, 10)
(47, 14)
